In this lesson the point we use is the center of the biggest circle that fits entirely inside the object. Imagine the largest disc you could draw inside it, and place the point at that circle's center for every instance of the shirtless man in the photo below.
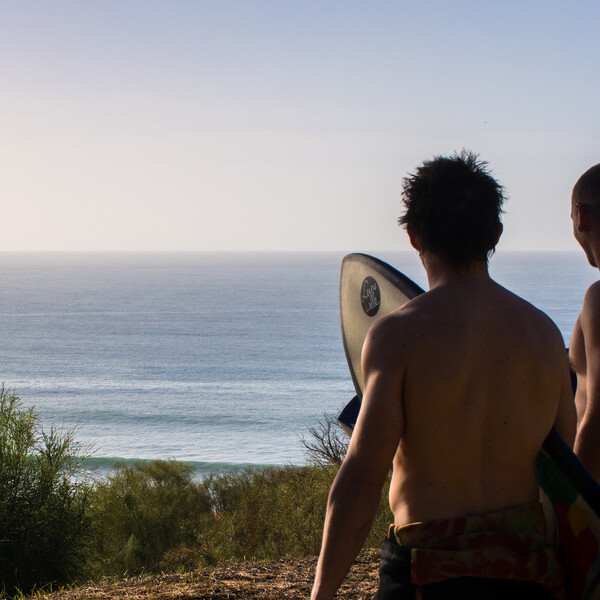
(462, 385)
(584, 351)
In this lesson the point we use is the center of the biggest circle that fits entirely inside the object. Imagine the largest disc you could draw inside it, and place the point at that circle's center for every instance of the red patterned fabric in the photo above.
(506, 544)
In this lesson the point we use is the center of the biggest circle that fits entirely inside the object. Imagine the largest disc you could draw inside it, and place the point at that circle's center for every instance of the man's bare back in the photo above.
(482, 373)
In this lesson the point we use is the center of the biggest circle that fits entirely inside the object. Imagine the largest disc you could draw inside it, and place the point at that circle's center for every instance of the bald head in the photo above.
(585, 213)
(587, 188)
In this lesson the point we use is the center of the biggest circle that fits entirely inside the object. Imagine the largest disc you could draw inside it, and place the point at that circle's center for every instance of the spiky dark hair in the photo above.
(453, 205)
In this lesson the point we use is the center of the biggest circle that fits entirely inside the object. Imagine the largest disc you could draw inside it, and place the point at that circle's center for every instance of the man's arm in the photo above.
(587, 442)
(356, 492)
(566, 417)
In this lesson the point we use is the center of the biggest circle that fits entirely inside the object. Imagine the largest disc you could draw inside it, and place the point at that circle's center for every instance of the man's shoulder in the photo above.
(592, 295)
(400, 325)
(401, 319)
(590, 311)
(530, 311)
(406, 317)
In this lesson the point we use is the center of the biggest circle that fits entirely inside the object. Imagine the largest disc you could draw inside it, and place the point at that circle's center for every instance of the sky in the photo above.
(284, 125)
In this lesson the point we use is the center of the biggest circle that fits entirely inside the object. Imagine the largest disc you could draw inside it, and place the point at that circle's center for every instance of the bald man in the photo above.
(584, 352)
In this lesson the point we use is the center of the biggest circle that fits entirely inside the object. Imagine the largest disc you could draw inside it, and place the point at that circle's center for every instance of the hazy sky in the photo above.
(284, 125)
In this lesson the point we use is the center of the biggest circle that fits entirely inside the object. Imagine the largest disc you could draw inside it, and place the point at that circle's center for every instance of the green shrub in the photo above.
(275, 513)
(148, 516)
(45, 530)
(155, 517)
(56, 527)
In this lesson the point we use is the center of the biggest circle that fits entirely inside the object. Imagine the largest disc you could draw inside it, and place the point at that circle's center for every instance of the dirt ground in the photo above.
(276, 580)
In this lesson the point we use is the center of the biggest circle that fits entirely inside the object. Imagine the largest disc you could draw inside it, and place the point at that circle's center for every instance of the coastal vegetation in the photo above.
(45, 522)
(58, 526)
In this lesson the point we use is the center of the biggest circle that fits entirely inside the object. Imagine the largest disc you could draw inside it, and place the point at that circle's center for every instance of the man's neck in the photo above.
(440, 272)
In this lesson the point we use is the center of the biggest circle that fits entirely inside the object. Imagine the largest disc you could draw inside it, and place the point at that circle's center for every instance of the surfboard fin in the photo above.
(349, 415)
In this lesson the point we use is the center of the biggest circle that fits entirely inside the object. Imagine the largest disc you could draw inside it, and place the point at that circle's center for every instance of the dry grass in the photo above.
(283, 579)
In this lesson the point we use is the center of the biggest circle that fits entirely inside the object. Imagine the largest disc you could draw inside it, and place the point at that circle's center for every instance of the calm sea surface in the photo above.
(220, 360)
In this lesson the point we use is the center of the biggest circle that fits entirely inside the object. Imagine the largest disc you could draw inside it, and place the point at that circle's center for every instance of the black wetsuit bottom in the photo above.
(395, 583)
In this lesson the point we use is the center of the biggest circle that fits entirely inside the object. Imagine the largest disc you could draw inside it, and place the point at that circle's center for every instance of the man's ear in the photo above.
(583, 216)
(498, 233)
(414, 239)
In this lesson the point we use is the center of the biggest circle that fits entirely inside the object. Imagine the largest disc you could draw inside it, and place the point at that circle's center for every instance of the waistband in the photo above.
(505, 544)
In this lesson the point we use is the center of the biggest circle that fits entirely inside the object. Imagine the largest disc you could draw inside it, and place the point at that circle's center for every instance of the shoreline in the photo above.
(100, 467)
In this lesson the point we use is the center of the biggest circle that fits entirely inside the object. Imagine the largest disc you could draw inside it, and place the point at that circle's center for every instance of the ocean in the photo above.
(218, 360)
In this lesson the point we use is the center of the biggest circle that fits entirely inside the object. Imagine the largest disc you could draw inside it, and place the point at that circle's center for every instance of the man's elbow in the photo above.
(357, 486)
(566, 422)
(567, 432)
(587, 445)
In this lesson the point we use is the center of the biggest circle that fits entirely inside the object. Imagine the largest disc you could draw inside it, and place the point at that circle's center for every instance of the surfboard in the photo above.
(370, 289)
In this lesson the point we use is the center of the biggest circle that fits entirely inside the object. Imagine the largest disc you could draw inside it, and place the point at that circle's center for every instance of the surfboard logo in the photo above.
(370, 296)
